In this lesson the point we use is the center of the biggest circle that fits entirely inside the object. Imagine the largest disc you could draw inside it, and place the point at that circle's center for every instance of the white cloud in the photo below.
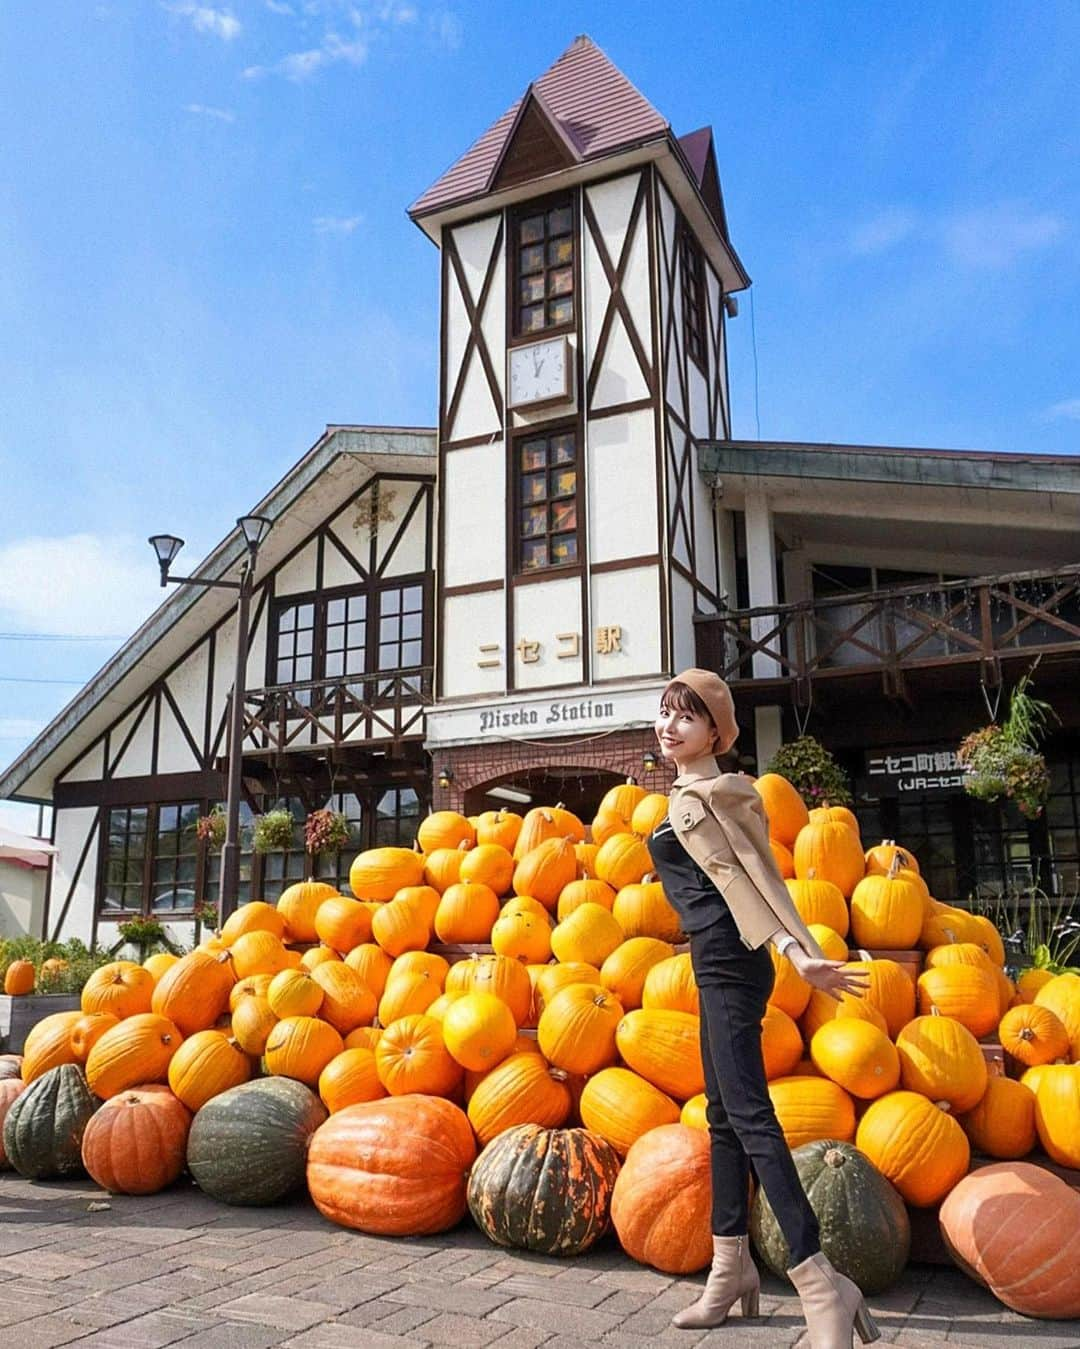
(349, 30)
(279, 7)
(995, 236)
(218, 22)
(217, 114)
(883, 231)
(82, 584)
(300, 66)
(336, 224)
(1068, 410)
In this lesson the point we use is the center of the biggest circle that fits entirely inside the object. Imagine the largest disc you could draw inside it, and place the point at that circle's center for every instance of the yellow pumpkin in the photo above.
(379, 873)
(809, 1108)
(621, 1106)
(205, 1065)
(650, 811)
(887, 911)
(694, 1114)
(625, 970)
(590, 935)
(551, 978)
(941, 1059)
(1062, 996)
(576, 1030)
(664, 1048)
(1057, 1113)
(479, 1030)
(522, 936)
(294, 993)
(158, 963)
(299, 904)
(820, 901)
(445, 829)
(784, 808)
(255, 916)
(584, 891)
(300, 1047)
(490, 865)
(643, 910)
(833, 946)
(856, 1056)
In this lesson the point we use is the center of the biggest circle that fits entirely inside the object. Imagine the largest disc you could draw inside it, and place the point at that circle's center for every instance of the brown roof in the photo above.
(596, 108)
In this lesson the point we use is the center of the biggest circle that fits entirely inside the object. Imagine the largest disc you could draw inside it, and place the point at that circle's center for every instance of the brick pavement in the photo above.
(178, 1268)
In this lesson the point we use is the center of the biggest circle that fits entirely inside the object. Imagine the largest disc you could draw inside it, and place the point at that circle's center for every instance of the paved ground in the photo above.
(179, 1268)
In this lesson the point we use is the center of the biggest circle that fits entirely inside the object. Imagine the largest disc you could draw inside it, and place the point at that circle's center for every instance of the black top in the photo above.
(691, 893)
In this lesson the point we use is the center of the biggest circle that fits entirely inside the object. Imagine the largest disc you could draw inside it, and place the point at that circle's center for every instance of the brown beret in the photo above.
(716, 696)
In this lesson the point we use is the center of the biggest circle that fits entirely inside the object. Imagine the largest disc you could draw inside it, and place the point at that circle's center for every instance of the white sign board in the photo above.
(542, 716)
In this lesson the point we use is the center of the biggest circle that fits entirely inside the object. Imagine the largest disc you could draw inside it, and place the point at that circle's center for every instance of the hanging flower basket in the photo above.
(326, 831)
(1003, 761)
(211, 829)
(812, 771)
(273, 832)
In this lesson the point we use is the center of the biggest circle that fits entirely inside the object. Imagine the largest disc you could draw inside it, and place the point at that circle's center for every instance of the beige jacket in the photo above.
(720, 821)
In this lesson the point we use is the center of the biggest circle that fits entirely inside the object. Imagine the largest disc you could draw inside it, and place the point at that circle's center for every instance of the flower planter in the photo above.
(19, 1015)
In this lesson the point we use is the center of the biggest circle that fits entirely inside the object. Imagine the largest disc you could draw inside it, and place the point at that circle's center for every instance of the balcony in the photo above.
(987, 621)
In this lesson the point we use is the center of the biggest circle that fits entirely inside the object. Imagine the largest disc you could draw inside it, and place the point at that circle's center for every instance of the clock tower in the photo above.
(586, 279)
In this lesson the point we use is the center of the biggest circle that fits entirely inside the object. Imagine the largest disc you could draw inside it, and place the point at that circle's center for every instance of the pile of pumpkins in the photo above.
(21, 976)
(350, 1043)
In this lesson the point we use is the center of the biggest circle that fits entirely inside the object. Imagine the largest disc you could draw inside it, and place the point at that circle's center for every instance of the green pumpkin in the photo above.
(10, 1066)
(865, 1230)
(43, 1129)
(545, 1190)
(249, 1144)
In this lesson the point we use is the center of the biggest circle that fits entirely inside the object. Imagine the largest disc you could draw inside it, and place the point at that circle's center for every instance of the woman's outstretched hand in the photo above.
(830, 976)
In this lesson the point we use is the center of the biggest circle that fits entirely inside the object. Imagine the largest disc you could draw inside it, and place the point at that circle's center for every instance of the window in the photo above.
(692, 270)
(152, 859)
(544, 269)
(397, 816)
(212, 884)
(346, 636)
(546, 478)
(295, 643)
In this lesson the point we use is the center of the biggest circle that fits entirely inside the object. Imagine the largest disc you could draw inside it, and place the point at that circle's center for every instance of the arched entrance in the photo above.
(579, 789)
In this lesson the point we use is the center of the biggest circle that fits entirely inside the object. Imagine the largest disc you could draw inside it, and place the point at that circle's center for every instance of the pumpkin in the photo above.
(621, 1106)
(294, 993)
(589, 935)
(372, 964)
(466, 913)
(940, 1058)
(53, 968)
(810, 1108)
(404, 924)
(206, 1064)
(857, 1056)
(1005, 1223)
(350, 1078)
(442, 1004)
(545, 869)
(785, 809)
(781, 1043)
(538, 826)
(785, 863)
(643, 910)
(132, 1053)
(500, 827)
(19, 978)
(943, 923)
(587, 890)
(830, 849)
(625, 970)
(694, 1113)
(568, 824)
(379, 873)
(523, 1089)
(48, 1044)
(347, 1001)
(249, 1145)
(790, 991)
(251, 1025)
(586, 859)
(257, 953)
(254, 986)
(363, 1037)
(158, 963)
(833, 946)
(577, 1028)
(1057, 1113)
(622, 800)
(394, 1167)
(10, 1088)
(11, 1067)
(442, 869)
(506, 978)
(957, 953)
(820, 901)
(1030, 981)
(479, 1030)
(121, 988)
(890, 991)
(298, 905)
(490, 865)
(411, 1057)
(1062, 996)
(429, 963)
(865, 1230)
(544, 1189)
(670, 983)
(661, 1202)
(1033, 1034)
(522, 936)
(88, 1030)
(1002, 1124)
(551, 978)
(301, 1047)
(650, 811)
(915, 1144)
(887, 911)
(342, 923)
(44, 1124)
(879, 859)
(987, 936)
(664, 1048)
(444, 829)
(407, 994)
(823, 1007)
(194, 992)
(255, 916)
(623, 859)
(963, 992)
(137, 1142)
(526, 904)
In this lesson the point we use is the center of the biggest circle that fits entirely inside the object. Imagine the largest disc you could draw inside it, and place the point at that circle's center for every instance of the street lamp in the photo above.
(254, 529)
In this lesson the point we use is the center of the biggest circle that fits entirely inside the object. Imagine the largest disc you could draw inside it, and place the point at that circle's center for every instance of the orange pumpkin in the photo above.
(466, 913)
(363, 1037)
(587, 890)
(294, 993)
(586, 859)
(538, 826)
(122, 988)
(624, 971)
(890, 991)
(887, 911)
(643, 910)
(254, 986)
(342, 923)
(957, 953)
(551, 978)
(781, 1043)
(915, 1144)
(823, 1007)
(784, 808)
(576, 1030)
(347, 1000)
(664, 1048)
(623, 799)
(204, 1066)
(379, 873)
(522, 1089)
(650, 811)
(1033, 1034)
(136, 1143)
(252, 1023)
(445, 829)
(790, 991)
(544, 870)
(660, 1204)
(604, 824)
(940, 1058)
(372, 964)
(589, 935)
(621, 1106)
(349, 1079)
(507, 979)
(1002, 1124)
(255, 916)
(403, 924)
(300, 1047)
(255, 952)
(623, 859)
(500, 827)
(407, 994)
(809, 1108)
(1057, 1112)
(88, 1030)
(158, 963)
(411, 1057)
(490, 865)
(832, 851)
(785, 863)
(19, 978)
(670, 983)
(48, 1045)
(442, 868)
(522, 936)
(479, 1030)
(428, 963)
(856, 1056)
(525, 904)
(195, 991)
(820, 901)
(827, 814)
(965, 993)
(1030, 981)
(880, 858)
(299, 904)
(1062, 996)
(135, 1051)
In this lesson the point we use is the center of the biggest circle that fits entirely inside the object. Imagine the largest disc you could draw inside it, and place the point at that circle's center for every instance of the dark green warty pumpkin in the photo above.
(865, 1230)
(249, 1144)
(43, 1129)
(545, 1190)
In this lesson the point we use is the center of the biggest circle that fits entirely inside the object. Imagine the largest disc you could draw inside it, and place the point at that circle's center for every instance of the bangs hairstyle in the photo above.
(682, 698)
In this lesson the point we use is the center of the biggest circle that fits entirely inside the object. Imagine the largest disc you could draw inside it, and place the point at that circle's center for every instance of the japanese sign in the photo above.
(913, 770)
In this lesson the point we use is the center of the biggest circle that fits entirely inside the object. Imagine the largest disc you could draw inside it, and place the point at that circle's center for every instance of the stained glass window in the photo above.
(547, 479)
(544, 261)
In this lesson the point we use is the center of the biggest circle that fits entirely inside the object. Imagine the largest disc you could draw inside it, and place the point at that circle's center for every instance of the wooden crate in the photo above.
(911, 961)
(19, 1015)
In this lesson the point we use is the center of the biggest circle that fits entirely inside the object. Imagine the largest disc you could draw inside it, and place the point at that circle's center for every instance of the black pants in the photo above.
(734, 985)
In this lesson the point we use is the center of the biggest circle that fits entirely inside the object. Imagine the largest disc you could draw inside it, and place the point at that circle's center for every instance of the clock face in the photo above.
(539, 372)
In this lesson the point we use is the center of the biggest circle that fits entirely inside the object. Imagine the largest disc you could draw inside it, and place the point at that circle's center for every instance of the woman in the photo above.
(713, 856)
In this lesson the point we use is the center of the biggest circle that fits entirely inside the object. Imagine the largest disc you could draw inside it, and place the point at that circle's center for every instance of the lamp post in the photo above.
(254, 529)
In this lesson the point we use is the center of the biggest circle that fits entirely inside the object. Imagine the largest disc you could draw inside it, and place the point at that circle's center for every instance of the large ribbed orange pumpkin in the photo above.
(915, 1144)
(1002, 1124)
(569, 825)
(887, 911)
(620, 1106)
(195, 991)
(809, 1108)
(342, 923)
(1062, 996)
(957, 953)
(256, 916)
(784, 808)
(135, 1051)
(121, 988)
(551, 978)
(379, 873)
(660, 1206)
(781, 1043)
(643, 910)
(301, 1047)
(671, 983)
(587, 890)
(252, 1023)
(500, 827)
(648, 813)
(347, 1000)
(576, 1030)
(350, 1078)
(624, 971)
(48, 1045)
(372, 964)
(1006, 1224)
(507, 979)
(404, 923)
(623, 859)
(204, 1066)
(856, 1056)
(523, 1089)
(396, 1167)
(136, 1142)
(538, 826)
(832, 851)
(964, 992)
(544, 870)
(890, 991)
(664, 1048)
(1057, 1112)
(820, 901)
(589, 935)
(488, 864)
(1033, 1034)
(836, 815)
(411, 1056)
(879, 858)
(941, 1059)
(88, 1030)
(299, 904)
(444, 829)
(466, 913)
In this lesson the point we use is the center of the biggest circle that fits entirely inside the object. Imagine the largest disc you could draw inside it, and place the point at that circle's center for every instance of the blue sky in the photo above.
(204, 253)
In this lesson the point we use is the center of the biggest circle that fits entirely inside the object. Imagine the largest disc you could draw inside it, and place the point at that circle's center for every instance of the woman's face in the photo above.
(683, 735)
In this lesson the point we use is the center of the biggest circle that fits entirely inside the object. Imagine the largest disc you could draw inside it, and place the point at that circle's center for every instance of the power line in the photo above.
(54, 637)
(15, 679)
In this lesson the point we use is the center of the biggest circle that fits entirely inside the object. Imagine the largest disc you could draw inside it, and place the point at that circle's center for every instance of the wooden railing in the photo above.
(985, 619)
(351, 709)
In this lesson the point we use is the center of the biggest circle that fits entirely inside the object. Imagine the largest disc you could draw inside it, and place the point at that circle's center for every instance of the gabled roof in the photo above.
(699, 151)
(596, 108)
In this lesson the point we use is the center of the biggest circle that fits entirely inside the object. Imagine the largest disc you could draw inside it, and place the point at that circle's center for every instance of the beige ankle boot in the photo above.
(832, 1304)
(733, 1276)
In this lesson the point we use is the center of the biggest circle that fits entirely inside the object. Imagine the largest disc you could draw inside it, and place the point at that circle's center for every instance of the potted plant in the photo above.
(812, 771)
(273, 832)
(61, 969)
(211, 829)
(326, 831)
(145, 933)
(1004, 761)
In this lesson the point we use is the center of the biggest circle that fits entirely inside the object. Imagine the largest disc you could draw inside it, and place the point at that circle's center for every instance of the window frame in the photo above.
(150, 856)
(693, 309)
(516, 335)
(517, 503)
